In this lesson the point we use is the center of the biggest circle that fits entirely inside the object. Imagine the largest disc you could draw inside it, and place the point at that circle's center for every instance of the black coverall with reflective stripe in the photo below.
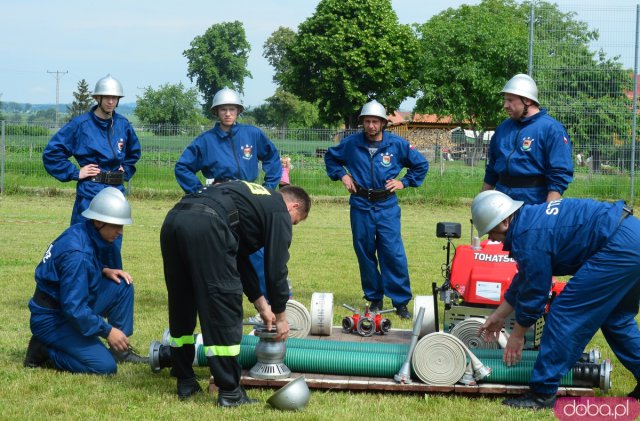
(206, 267)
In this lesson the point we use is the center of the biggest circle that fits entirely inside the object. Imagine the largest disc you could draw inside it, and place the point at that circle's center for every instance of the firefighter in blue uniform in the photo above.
(368, 163)
(529, 156)
(206, 241)
(230, 151)
(104, 145)
(75, 290)
(598, 244)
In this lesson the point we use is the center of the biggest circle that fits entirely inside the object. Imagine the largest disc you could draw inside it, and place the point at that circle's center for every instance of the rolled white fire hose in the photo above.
(467, 331)
(440, 359)
(298, 315)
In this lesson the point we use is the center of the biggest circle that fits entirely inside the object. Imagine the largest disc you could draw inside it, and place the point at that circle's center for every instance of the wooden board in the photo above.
(379, 384)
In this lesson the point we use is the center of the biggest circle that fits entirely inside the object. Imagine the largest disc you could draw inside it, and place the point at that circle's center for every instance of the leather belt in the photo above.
(626, 211)
(107, 177)
(45, 300)
(197, 207)
(526, 181)
(213, 207)
(373, 195)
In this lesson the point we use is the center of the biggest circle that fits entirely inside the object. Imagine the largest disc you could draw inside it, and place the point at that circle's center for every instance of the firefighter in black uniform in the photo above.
(206, 240)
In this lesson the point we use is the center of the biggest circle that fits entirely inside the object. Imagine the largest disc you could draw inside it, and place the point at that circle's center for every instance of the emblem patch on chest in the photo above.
(247, 152)
(527, 142)
(386, 159)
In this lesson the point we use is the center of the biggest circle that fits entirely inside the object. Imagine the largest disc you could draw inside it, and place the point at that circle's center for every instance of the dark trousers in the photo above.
(199, 254)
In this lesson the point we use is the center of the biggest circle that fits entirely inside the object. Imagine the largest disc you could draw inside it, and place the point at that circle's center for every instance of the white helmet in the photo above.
(491, 207)
(292, 396)
(109, 206)
(108, 86)
(522, 85)
(373, 108)
(226, 96)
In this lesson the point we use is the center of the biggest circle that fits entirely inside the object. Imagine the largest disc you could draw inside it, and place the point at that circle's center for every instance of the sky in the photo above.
(141, 42)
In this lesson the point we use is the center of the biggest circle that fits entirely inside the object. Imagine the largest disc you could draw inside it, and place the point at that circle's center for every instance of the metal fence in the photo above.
(591, 94)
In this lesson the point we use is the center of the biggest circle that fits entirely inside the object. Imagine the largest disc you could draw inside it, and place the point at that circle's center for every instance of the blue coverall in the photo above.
(109, 144)
(70, 273)
(89, 139)
(375, 225)
(536, 146)
(590, 241)
(232, 155)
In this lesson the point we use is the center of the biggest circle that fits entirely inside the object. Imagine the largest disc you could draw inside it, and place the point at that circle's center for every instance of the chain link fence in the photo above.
(590, 90)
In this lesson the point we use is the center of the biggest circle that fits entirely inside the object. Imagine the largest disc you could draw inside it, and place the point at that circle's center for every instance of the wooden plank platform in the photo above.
(379, 384)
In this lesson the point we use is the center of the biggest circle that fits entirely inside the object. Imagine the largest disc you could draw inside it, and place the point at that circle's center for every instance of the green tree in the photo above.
(285, 109)
(1, 107)
(348, 52)
(82, 101)
(169, 106)
(468, 55)
(275, 51)
(470, 52)
(45, 116)
(584, 89)
(218, 58)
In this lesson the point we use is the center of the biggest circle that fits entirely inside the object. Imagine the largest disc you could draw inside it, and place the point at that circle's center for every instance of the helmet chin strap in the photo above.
(526, 107)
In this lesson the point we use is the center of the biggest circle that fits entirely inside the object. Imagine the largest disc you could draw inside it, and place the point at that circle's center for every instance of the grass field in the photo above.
(322, 261)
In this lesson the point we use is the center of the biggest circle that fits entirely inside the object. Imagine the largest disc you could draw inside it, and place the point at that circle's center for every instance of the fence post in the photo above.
(2, 149)
(635, 109)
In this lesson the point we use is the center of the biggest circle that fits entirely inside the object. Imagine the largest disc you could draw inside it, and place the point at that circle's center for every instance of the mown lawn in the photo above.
(322, 260)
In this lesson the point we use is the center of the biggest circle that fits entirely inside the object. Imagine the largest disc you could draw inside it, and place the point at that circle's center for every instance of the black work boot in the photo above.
(403, 312)
(531, 400)
(37, 354)
(188, 388)
(128, 356)
(375, 306)
(635, 393)
(235, 397)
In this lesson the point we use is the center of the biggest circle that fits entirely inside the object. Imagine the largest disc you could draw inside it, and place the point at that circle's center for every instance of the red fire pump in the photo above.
(476, 280)
(366, 324)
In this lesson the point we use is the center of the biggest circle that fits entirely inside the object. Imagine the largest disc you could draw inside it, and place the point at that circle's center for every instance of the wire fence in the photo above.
(589, 90)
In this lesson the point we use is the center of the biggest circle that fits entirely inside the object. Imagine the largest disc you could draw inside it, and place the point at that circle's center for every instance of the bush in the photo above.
(22, 130)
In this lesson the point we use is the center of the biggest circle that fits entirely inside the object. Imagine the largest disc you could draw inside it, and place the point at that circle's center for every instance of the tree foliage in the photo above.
(82, 101)
(275, 51)
(169, 106)
(218, 58)
(585, 89)
(346, 53)
(468, 55)
(286, 110)
(1, 107)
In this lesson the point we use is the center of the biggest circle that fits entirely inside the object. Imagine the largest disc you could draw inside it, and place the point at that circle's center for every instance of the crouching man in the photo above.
(598, 244)
(75, 292)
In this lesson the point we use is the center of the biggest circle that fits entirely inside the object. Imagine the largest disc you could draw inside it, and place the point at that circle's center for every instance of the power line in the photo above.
(58, 75)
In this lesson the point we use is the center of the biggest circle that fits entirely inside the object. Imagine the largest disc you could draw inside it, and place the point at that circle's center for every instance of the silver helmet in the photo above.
(373, 108)
(226, 96)
(491, 207)
(109, 206)
(292, 396)
(522, 85)
(108, 86)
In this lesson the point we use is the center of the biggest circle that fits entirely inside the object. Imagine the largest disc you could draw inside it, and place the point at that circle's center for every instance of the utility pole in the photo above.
(58, 75)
